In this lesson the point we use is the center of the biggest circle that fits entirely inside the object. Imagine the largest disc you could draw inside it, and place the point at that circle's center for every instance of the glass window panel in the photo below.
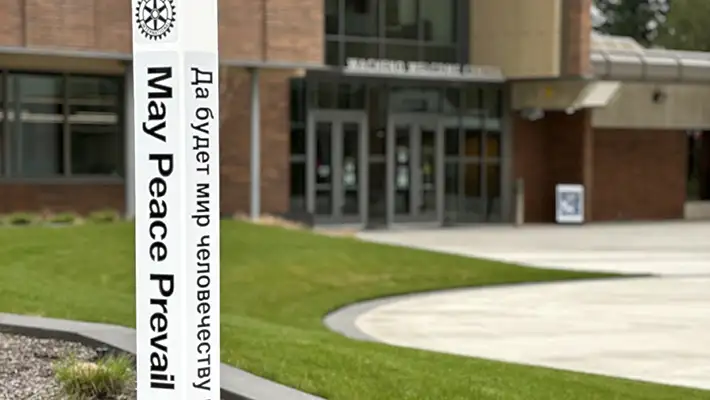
(402, 52)
(332, 17)
(351, 96)
(94, 95)
(298, 186)
(96, 135)
(473, 99)
(401, 19)
(351, 169)
(493, 102)
(361, 50)
(41, 95)
(298, 141)
(332, 53)
(472, 143)
(473, 202)
(324, 150)
(378, 142)
(298, 100)
(452, 144)
(493, 192)
(408, 99)
(403, 173)
(439, 20)
(324, 168)
(39, 149)
(452, 100)
(428, 171)
(37, 142)
(361, 18)
(96, 150)
(493, 145)
(326, 96)
(443, 54)
(452, 189)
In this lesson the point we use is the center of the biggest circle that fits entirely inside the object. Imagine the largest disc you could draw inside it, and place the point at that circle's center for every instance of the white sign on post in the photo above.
(569, 204)
(176, 111)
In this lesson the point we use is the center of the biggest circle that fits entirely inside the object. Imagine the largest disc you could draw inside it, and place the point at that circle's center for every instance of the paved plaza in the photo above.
(652, 329)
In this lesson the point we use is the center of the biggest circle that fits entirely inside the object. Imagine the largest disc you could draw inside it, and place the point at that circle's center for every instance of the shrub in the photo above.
(20, 219)
(110, 377)
(104, 216)
(66, 218)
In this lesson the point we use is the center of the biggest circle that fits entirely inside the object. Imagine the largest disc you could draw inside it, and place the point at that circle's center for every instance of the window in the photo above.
(332, 17)
(698, 177)
(401, 19)
(298, 145)
(37, 120)
(361, 18)
(439, 21)
(410, 30)
(95, 133)
(62, 126)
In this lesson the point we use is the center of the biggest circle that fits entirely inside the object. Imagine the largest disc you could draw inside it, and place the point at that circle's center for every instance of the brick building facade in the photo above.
(71, 54)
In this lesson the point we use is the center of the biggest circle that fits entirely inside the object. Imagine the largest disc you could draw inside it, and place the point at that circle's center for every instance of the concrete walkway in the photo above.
(673, 248)
(652, 329)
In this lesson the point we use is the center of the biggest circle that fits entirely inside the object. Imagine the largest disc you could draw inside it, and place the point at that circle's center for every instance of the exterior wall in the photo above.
(639, 174)
(576, 38)
(546, 95)
(37, 63)
(235, 140)
(61, 196)
(555, 149)
(628, 174)
(685, 107)
(273, 30)
(524, 42)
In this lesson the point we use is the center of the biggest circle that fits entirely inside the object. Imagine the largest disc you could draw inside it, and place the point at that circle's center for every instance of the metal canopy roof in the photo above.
(622, 58)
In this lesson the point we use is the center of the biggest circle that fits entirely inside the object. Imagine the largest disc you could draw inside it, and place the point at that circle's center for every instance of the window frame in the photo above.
(7, 131)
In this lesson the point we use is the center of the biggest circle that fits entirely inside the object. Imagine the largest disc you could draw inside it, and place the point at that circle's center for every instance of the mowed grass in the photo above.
(276, 287)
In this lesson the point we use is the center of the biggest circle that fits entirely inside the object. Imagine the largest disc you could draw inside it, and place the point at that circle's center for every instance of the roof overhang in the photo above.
(564, 95)
(651, 65)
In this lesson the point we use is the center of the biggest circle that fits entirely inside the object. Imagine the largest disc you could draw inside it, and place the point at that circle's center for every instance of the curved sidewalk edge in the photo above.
(236, 384)
(343, 320)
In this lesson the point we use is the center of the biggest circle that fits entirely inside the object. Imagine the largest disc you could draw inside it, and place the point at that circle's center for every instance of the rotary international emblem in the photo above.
(155, 18)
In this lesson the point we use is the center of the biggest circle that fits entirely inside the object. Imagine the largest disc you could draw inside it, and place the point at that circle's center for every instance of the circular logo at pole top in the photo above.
(155, 18)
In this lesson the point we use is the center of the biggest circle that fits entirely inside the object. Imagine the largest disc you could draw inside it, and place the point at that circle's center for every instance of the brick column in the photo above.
(556, 149)
(570, 152)
(576, 37)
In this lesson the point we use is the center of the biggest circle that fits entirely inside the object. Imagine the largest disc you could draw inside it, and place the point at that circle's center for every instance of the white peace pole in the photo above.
(176, 147)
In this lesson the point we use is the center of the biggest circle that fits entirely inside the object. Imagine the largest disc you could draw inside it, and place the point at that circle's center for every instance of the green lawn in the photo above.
(276, 287)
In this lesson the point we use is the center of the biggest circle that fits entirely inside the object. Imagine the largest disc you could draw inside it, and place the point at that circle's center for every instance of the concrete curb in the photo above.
(236, 384)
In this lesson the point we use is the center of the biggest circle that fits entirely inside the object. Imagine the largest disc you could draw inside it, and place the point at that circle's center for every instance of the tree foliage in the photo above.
(685, 27)
(638, 19)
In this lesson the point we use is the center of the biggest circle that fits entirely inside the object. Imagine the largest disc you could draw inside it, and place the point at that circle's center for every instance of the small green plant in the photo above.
(20, 219)
(110, 377)
(65, 218)
(104, 216)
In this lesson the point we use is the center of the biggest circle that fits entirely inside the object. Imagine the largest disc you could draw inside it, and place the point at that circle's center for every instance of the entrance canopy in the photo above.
(622, 58)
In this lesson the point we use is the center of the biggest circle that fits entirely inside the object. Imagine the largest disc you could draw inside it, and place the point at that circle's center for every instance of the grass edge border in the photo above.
(99, 335)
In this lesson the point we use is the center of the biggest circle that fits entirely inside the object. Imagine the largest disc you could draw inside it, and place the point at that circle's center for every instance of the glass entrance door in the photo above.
(414, 169)
(337, 167)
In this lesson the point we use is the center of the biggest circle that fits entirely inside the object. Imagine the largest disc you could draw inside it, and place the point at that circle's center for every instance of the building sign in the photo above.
(176, 111)
(421, 69)
(569, 204)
